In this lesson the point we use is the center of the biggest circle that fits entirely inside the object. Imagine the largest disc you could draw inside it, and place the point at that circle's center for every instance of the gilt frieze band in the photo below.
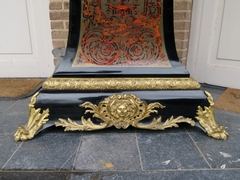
(120, 84)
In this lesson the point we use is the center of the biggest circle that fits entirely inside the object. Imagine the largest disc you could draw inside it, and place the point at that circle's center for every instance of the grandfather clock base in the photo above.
(121, 69)
(145, 109)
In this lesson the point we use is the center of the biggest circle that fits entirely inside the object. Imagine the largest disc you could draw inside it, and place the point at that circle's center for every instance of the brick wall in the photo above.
(182, 13)
(59, 16)
(182, 18)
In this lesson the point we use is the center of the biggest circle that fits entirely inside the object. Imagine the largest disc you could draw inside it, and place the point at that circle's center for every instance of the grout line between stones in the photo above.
(68, 175)
(9, 108)
(11, 156)
(77, 150)
(67, 159)
(199, 150)
(127, 171)
(139, 152)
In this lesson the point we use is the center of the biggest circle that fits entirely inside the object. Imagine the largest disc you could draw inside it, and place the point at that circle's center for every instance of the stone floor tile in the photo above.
(220, 154)
(46, 152)
(163, 175)
(7, 147)
(15, 116)
(108, 151)
(4, 105)
(169, 151)
(33, 175)
(230, 120)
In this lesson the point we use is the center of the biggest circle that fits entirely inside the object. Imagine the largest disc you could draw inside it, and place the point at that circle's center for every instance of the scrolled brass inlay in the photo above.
(120, 84)
(35, 122)
(121, 111)
(207, 120)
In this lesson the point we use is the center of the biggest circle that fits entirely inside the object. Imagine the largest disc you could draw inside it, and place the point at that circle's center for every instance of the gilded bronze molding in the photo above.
(120, 84)
(121, 111)
(207, 120)
(35, 122)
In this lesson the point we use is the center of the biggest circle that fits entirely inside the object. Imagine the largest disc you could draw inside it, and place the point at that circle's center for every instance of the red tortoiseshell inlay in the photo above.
(121, 33)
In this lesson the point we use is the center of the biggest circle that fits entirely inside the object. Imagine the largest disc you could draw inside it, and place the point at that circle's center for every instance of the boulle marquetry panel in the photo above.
(121, 33)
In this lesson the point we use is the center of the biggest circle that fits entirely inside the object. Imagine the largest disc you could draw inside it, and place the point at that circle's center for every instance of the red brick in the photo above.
(183, 5)
(182, 16)
(67, 25)
(59, 34)
(182, 53)
(59, 15)
(65, 42)
(55, 5)
(182, 44)
(57, 25)
(181, 25)
(66, 5)
(181, 35)
(58, 44)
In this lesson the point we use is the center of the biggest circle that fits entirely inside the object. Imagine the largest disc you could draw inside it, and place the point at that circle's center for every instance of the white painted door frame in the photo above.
(205, 63)
(37, 60)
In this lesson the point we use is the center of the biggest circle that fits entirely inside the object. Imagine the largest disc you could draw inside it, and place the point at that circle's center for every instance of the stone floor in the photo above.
(177, 153)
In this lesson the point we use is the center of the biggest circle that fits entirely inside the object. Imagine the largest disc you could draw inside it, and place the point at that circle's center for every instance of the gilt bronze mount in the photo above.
(121, 111)
(35, 122)
(120, 84)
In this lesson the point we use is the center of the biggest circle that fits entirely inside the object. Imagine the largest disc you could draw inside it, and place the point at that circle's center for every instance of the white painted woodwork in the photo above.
(214, 53)
(229, 44)
(14, 31)
(25, 39)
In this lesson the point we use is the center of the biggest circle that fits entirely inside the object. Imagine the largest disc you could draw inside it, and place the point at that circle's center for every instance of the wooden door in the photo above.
(214, 49)
(25, 39)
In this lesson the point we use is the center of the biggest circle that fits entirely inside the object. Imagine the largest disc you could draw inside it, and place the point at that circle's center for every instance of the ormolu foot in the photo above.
(35, 122)
(207, 120)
